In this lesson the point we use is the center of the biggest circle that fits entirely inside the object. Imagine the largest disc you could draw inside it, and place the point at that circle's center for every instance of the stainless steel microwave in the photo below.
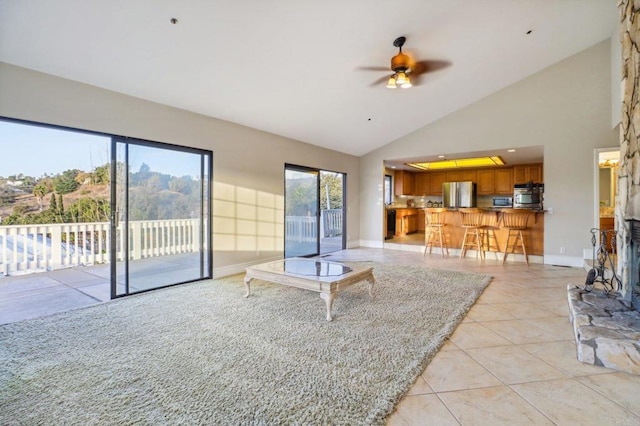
(528, 196)
(502, 202)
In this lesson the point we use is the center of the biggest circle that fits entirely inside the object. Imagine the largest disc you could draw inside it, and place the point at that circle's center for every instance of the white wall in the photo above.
(248, 166)
(566, 108)
(616, 79)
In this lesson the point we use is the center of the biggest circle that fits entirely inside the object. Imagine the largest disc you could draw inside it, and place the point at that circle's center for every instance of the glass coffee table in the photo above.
(326, 278)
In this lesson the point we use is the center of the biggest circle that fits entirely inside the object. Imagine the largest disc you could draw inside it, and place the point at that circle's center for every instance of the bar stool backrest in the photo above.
(515, 218)
(435, 216)
(471, 217)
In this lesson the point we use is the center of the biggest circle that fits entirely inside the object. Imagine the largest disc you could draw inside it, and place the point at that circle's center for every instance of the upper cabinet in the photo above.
(404, 183)
(503, 184)
(526, 173)
(489, 181)
(436, 179)
(461, 176)
(486, 182)
(422, 181)
(495, 181)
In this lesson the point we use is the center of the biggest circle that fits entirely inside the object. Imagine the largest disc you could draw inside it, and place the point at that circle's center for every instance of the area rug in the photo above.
(201, 353)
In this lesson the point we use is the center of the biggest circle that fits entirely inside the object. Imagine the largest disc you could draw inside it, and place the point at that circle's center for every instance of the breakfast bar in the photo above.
(410, 229)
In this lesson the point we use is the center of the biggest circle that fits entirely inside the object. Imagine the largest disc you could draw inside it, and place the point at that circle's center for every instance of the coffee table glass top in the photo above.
(311, 267)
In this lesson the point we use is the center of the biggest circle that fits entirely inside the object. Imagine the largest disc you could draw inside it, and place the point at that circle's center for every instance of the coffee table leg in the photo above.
(247, 280)
(328, 299)
(371, 280)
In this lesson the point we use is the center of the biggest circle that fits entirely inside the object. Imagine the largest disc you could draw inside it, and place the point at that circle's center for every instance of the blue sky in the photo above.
(36, 150)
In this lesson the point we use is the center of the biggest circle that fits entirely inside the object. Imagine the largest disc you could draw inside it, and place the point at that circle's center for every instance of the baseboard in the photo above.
(574, 261)
(353, 244)
(371, 243)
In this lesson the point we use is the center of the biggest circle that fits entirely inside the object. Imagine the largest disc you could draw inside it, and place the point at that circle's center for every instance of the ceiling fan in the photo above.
(405, 69)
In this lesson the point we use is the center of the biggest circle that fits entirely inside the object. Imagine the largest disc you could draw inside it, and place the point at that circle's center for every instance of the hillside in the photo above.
(31, 202)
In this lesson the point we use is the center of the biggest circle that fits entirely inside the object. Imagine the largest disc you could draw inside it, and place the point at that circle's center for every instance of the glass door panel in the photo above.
(331, 211)
(301, 212)
(161, 217)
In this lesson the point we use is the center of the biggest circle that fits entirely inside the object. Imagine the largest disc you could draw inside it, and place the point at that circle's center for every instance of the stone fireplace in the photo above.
(607, 325)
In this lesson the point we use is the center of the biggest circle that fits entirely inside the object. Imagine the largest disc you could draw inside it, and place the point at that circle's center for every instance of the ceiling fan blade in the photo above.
(421, 67)
(387, 69)
(380, 81)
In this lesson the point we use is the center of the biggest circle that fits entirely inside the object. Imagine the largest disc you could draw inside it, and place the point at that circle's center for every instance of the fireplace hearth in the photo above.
(605, 322)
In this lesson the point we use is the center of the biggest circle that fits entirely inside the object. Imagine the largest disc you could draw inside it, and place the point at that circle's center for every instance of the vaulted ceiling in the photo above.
(295, 67)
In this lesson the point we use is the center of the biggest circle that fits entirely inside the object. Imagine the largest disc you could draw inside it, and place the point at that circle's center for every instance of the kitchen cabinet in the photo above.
(503, 182)
(485, 182)
(421, 184)
(526, 173)
(608, 223)
(406, 221)
(461, 176)
(436, 179)
(404, 183)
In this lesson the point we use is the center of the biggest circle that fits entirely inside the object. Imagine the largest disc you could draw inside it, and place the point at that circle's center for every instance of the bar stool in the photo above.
(490, 224)
(471, 220)
(434, 223)
(515, 220)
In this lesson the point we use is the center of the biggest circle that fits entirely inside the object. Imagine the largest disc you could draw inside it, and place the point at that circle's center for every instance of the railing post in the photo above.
(56, 247)
(194, 235)
(136, 240)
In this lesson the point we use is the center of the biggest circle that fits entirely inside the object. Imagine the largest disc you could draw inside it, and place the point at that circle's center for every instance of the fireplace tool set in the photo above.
(602, 257)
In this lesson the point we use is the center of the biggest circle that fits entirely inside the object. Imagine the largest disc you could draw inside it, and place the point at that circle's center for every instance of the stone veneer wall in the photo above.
(628, 200)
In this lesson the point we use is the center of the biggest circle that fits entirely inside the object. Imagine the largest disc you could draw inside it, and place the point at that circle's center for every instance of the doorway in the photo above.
(314, 211)
(606, 191)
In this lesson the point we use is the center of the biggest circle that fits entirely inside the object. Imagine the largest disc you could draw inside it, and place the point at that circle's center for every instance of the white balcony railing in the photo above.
(37, 248)
(34, 248)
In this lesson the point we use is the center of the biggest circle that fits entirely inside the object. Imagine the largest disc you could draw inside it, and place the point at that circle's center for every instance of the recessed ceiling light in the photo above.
(511, 150)
(440, 156)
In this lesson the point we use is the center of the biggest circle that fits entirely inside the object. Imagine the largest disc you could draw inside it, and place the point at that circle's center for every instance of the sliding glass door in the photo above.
(314, 213)
(160, 216)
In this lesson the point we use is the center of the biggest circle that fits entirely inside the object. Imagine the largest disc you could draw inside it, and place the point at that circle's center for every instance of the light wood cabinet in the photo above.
(422, 184)
(461, 176)
(503, 183)
(526, 173)
(436, 179)
(486, 182)
(421, 226)
(407, 221)
(404, 183)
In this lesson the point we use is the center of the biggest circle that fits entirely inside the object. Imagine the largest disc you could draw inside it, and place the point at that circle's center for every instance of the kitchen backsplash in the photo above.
(483, 201)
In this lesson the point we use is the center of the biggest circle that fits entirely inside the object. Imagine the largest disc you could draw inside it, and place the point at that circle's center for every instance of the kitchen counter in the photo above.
(411, 220)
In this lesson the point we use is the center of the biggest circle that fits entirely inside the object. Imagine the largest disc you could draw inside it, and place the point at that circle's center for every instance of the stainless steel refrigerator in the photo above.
(458, 194)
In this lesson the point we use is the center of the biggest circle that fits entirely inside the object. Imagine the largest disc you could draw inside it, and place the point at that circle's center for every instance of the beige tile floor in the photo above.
(512, 360)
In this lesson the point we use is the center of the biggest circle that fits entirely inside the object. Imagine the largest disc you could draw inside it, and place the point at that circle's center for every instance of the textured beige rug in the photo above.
(203, 354)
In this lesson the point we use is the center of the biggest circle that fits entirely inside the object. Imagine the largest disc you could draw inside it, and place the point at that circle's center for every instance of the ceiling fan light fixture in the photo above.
(401, 78)
(406, 84)
(391, 84)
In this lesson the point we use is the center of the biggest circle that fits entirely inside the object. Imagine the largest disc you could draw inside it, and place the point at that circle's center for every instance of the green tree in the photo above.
(101, 174)
(39, 191)
(53, 205)
(66, 182)
(331, 186)
(60, 204)
(89, 210)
